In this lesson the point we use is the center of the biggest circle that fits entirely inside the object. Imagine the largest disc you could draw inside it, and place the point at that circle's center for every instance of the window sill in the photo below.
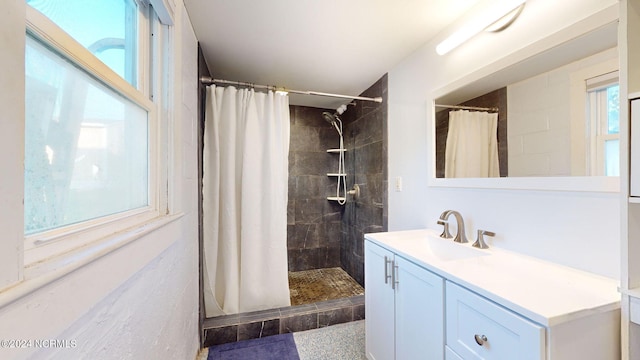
(45, 272)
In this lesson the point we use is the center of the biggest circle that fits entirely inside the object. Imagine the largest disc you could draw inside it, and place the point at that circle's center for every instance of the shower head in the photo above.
(334, 120)
(329, 117)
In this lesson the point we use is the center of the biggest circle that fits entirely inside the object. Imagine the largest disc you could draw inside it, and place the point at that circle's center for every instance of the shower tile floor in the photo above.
(311, 286)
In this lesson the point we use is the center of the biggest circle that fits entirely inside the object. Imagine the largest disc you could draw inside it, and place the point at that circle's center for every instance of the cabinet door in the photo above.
(379, 302)
(419, 312)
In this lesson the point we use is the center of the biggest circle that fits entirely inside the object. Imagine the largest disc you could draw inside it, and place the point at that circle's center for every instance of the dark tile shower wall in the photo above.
(497, 98)
(313, 222)
(366, 165)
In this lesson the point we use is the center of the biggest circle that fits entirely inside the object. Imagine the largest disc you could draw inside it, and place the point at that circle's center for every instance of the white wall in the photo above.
(540, 110)
(539, 128)
(139, 301)
(576, 229)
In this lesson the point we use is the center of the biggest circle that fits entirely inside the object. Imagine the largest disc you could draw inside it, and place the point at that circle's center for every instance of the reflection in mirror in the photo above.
(557, 116)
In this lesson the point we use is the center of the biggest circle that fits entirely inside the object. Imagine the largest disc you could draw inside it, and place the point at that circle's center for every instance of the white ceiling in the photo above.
(333, 46)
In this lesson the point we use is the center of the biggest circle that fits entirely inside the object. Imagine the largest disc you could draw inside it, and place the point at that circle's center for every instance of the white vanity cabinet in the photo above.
(405, 312)
(404, 308)
(428, 298)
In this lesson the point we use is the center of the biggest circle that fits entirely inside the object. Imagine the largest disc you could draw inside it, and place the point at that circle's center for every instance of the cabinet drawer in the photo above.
(477, 328)
(634, 310)
(450, 355)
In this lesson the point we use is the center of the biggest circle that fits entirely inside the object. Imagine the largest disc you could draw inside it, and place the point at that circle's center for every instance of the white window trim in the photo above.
(598, 126)
(578, 99)
(74, 243)
(46, 30)
(161, 85)
(42, 274)
(165, 9)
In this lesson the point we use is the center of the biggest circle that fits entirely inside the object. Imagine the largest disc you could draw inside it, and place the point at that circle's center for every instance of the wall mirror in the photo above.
(551, 121)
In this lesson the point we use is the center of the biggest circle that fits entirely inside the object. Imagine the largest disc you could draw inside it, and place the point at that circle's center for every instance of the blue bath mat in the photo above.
(277, 347)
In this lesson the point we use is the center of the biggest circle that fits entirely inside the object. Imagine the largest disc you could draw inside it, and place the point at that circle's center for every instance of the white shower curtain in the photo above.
(245, 183)
(472, 145)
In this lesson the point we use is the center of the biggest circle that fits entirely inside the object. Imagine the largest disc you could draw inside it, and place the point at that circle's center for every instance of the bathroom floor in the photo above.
(311, 286)
(336, 342)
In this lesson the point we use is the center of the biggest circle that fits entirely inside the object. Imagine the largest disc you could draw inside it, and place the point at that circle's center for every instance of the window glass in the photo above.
(613, 109)
(612, 157)
(604, 127)
(612, 146)
(107, 28)
(86, 147)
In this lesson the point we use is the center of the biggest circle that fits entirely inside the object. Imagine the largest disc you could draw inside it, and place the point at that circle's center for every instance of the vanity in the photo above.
(430, 298)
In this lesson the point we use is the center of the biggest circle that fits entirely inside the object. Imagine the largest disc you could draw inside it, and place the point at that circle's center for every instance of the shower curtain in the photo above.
(472, 145)
(245, 183)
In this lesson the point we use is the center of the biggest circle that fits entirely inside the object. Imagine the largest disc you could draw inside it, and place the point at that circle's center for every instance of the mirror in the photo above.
(556, 114)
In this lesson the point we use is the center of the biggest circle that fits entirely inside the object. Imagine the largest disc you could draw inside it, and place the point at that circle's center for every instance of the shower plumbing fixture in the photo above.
(355, 191)
(335, 121)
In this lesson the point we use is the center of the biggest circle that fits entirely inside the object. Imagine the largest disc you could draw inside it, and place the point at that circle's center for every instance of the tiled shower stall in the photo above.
(321, 233)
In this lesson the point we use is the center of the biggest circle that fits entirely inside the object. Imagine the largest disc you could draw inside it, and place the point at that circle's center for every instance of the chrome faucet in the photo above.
(460, 237)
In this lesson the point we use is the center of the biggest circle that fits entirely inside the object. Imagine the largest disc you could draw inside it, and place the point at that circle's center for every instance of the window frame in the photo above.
(597, 118)
(579, 110)
(40, 248)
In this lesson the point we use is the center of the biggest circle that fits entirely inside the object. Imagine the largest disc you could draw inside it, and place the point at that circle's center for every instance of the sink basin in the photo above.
(447, 250)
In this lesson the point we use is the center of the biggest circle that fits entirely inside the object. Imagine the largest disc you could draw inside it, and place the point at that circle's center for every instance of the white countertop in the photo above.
(544, 292)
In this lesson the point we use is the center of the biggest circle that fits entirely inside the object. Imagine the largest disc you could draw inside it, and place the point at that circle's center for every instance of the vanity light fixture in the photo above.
(495, 18)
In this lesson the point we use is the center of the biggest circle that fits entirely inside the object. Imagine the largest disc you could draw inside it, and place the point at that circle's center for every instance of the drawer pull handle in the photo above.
(480, 339)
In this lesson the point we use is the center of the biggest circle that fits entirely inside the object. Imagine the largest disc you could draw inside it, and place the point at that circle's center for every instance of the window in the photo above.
(95, 148)
(603, 123)
(86, 147)
(107, 28)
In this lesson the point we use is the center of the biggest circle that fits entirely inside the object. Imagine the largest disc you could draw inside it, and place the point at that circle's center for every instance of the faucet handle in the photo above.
(480, 240)
(445, 231)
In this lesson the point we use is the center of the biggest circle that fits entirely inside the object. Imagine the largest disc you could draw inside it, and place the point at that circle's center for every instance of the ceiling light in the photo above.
(491, 15)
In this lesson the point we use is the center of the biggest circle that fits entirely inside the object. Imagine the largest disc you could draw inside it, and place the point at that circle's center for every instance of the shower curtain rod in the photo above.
(206, 80)
(461, 107)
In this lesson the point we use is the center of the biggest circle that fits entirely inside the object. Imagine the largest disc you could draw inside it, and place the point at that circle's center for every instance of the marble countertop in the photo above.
(544, 292)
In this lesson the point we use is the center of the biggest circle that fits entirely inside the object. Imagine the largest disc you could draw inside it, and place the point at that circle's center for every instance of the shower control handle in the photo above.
(355, 191)
(386, 269)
